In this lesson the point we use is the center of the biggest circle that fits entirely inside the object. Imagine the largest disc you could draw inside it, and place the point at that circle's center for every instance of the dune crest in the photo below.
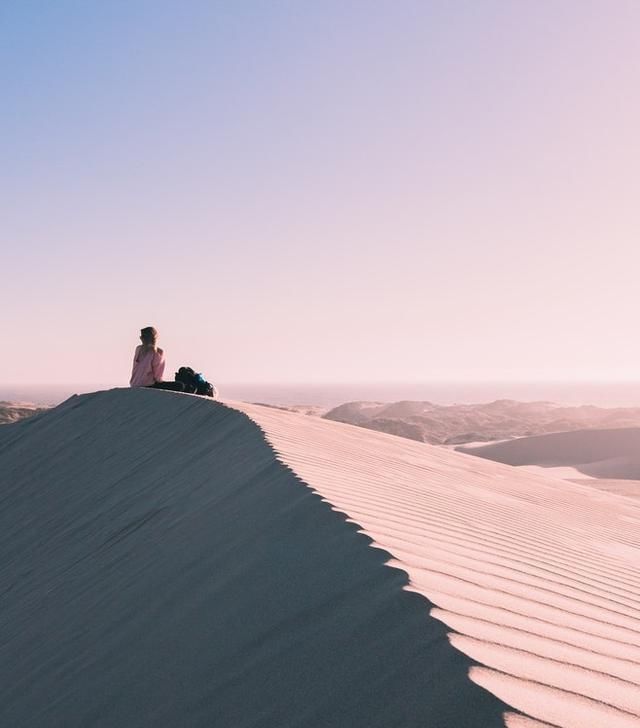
(169, 560)
(538, 580)
(160, 567)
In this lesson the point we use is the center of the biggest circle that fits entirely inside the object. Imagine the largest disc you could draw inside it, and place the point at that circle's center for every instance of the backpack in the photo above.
(195, 383)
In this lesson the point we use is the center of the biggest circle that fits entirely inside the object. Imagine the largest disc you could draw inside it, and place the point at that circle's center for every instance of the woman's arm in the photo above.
(157, 365)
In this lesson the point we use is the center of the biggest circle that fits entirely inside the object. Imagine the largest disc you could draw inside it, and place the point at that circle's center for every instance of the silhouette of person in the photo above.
(149, 363)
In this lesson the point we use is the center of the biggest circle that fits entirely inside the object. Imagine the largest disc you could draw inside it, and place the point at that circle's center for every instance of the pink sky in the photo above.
(308, 192)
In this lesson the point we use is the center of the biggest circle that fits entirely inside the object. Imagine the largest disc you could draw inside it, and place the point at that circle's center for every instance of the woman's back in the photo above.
(148, 366)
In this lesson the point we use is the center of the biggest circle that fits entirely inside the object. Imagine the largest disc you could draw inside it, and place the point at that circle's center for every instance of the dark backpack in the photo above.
(194, 382)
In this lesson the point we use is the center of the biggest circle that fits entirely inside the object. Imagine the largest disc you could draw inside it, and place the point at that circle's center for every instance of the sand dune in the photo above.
(168, 560)
(160, 567)
(538, 584)
(606, 454)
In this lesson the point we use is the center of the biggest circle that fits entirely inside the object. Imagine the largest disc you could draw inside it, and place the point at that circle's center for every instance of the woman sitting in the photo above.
(149, 363)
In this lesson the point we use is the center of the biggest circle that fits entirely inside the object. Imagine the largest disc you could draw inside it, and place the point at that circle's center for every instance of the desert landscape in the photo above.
(465, 423)
(595, 446)
(319, 395)
(604, 456)
(193, 561)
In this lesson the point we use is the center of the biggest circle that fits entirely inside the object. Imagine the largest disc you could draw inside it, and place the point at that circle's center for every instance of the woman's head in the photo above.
(149, 336)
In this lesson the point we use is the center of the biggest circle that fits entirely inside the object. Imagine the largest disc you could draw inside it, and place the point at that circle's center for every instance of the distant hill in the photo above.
(464, 423)
(12, 411)
(608, 454)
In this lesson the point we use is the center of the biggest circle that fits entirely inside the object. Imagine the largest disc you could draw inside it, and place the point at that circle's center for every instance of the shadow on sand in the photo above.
(161, 568)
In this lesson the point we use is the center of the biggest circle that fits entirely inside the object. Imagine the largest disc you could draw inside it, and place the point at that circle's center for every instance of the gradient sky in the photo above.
(318, 191)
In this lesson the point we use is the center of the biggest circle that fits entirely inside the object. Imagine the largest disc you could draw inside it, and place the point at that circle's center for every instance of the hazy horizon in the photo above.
(302, 191)
(325, 394)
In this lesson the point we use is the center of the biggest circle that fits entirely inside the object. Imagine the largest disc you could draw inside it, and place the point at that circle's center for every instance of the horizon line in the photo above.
(347, 382)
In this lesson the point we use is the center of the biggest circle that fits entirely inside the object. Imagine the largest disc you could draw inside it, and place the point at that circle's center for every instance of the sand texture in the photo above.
(172, 561)
(537, 580)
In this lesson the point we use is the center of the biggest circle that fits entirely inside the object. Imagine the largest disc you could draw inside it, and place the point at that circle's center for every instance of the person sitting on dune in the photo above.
(149, 363)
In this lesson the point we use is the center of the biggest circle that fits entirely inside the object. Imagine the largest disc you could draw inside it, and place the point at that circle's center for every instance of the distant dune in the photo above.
(464, 423)
(607, 454)
(173, 561)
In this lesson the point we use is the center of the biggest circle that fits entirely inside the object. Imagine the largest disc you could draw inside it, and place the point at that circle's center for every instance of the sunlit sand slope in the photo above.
(537, 580)
(630, 488)
(160, 567)
(608, 454)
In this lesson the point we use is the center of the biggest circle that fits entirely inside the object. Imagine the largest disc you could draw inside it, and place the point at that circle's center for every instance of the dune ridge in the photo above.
(161, 567)
(169, 560)
(537, 583)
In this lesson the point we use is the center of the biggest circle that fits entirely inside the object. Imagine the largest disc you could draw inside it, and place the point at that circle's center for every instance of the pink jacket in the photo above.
(148, 367)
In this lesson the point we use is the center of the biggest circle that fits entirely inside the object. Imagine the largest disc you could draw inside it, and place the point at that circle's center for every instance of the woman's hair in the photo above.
(149, 334)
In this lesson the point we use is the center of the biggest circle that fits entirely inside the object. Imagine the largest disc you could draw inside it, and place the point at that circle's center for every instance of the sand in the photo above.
(538, 580)
(611, 454)
(629, 488)
(169, 560)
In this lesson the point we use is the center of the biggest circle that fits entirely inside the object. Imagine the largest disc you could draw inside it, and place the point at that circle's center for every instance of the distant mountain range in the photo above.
(12, 411)
(464, 423)
(450, 425)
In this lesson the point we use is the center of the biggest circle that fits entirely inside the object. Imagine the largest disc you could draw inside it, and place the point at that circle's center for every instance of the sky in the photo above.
(325, 191)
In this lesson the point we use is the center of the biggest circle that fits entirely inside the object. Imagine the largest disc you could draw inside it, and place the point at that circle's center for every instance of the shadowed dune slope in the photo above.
(608, 454)
(537, 579)
(160, 566)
